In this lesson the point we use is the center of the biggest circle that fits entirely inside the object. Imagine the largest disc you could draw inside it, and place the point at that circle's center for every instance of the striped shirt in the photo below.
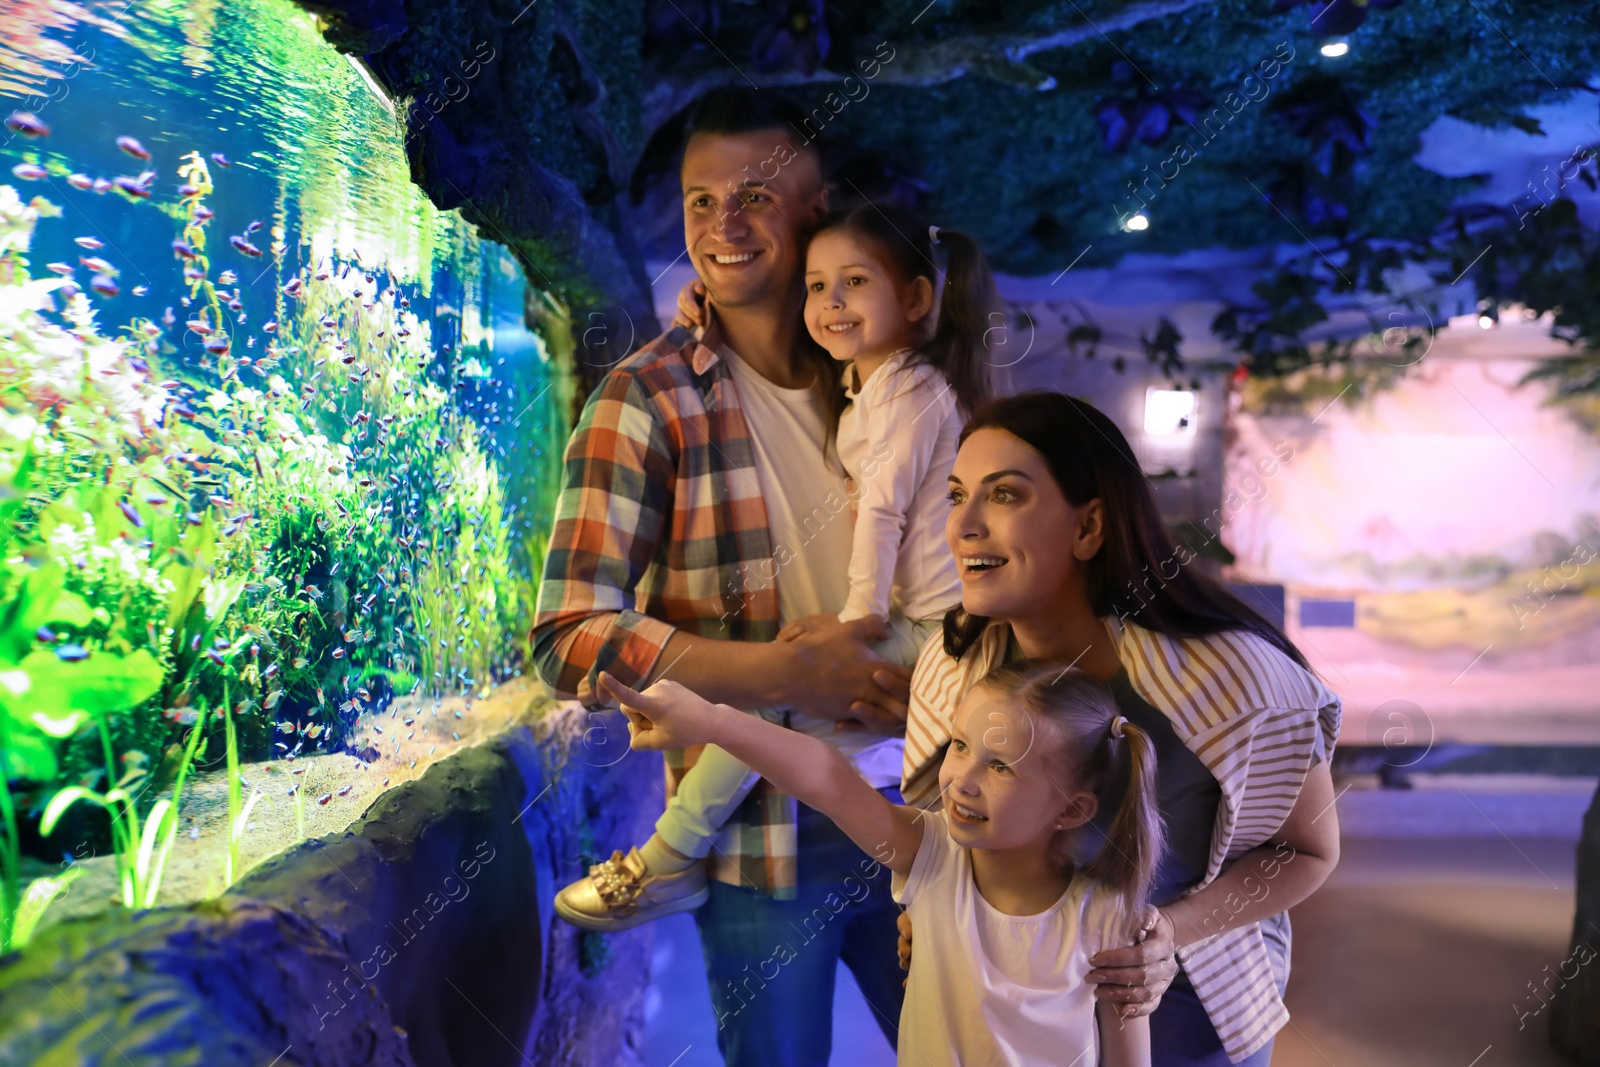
(1249, 712)
(660, 526)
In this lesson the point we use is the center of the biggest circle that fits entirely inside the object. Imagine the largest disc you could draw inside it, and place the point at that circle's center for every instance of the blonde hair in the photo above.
(1082, 713)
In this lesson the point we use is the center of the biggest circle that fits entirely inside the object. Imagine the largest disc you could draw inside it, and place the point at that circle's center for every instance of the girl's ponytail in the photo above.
(1127, 861)
(968, 311)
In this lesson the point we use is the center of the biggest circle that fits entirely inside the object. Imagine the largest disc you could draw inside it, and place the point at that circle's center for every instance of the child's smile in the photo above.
(855, 307)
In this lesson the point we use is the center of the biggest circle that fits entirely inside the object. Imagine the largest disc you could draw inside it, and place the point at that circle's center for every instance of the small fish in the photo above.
(131, 513)
(227, 277)
(272, 699)
(270, 326)
(30, 172)
(202, 213)
(96, 264)
(27, 124)
(93, 244)
(194, 833)
(269, 672)
(378, 728)
(286, 727)
(293, 288)
(216, 657)
(344, 790)
(324, 798)
(132, 146)
(313, 592)
(80, 181)
(186, 190)
(132, 187)
(293, 789)
(217, 345)
(244, 246)
(313, 730)
(280, 746)
(300, 663)
(220, 160)
(183, 250)
(182, 716)
(140, 290)
(100, 186)
(72, 653)
(200, 326)
(253, 227)
(66, 270)
(104, 284)
(338, 653)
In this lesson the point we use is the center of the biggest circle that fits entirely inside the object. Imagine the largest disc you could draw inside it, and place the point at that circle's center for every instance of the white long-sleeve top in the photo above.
(897, 440)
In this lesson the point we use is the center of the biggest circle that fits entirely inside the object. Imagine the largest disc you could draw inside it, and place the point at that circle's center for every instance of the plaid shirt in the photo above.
(1250, 713)
(660, 526)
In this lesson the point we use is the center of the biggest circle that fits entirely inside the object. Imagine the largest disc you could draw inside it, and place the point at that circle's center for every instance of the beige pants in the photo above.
(717, 783)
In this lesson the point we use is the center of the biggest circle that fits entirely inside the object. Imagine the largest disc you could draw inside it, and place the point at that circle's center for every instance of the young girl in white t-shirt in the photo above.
(913, 376)
(1005, 922)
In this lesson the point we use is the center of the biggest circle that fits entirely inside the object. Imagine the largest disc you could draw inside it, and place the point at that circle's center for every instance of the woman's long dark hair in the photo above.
(1089, 457)
(957, 347)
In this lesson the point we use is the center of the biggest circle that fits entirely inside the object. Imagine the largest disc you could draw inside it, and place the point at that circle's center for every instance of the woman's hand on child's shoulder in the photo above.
(1135, 977)
(666, 715)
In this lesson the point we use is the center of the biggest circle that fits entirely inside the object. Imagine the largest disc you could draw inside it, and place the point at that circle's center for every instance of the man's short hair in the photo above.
(734, 110)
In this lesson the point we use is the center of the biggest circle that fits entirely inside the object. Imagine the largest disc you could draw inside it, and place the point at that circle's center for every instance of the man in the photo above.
(700, 512)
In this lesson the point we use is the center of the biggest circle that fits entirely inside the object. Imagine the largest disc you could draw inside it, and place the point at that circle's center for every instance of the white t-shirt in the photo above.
(988, 989)
(897, 441)
(809, 515)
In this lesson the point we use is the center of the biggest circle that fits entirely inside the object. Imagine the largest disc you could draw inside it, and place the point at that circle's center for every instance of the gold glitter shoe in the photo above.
(620, 894)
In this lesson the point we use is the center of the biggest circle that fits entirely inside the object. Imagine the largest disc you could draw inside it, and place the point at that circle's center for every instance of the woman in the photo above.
(1063, 555)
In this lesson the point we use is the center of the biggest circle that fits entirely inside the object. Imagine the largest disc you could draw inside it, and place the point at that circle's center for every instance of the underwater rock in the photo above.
(358, 27)
(423, 934)
(231, 981)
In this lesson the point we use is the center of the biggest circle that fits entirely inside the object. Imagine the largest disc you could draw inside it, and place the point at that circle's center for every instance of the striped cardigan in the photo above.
(1249, 712)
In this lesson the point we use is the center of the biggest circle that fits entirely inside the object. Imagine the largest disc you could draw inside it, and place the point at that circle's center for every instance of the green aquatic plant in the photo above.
(48, 691)
(238, 809)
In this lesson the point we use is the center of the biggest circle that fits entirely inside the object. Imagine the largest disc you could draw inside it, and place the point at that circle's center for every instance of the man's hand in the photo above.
(691, 306)
(666, 715)
(837, 676)
(808, 625)
(903, 946)
(1134, 978)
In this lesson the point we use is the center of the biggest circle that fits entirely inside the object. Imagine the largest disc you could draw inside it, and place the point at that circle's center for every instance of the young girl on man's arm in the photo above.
(1010, 921)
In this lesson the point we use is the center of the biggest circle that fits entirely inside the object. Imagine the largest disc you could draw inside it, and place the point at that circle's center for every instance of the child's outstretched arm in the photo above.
(1123, 1042)
(667, 715)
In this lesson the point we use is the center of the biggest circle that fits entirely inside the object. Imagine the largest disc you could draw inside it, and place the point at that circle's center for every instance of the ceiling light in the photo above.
(1334, 47)
(1141, 221)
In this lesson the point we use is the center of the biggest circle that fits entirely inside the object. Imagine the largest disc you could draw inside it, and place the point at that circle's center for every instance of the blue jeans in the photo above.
(772, 962)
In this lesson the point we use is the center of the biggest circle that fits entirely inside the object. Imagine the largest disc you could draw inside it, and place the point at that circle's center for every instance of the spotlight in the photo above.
(1486, 322)
(1334, 47)
(1141, 221)
(1168, 411)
